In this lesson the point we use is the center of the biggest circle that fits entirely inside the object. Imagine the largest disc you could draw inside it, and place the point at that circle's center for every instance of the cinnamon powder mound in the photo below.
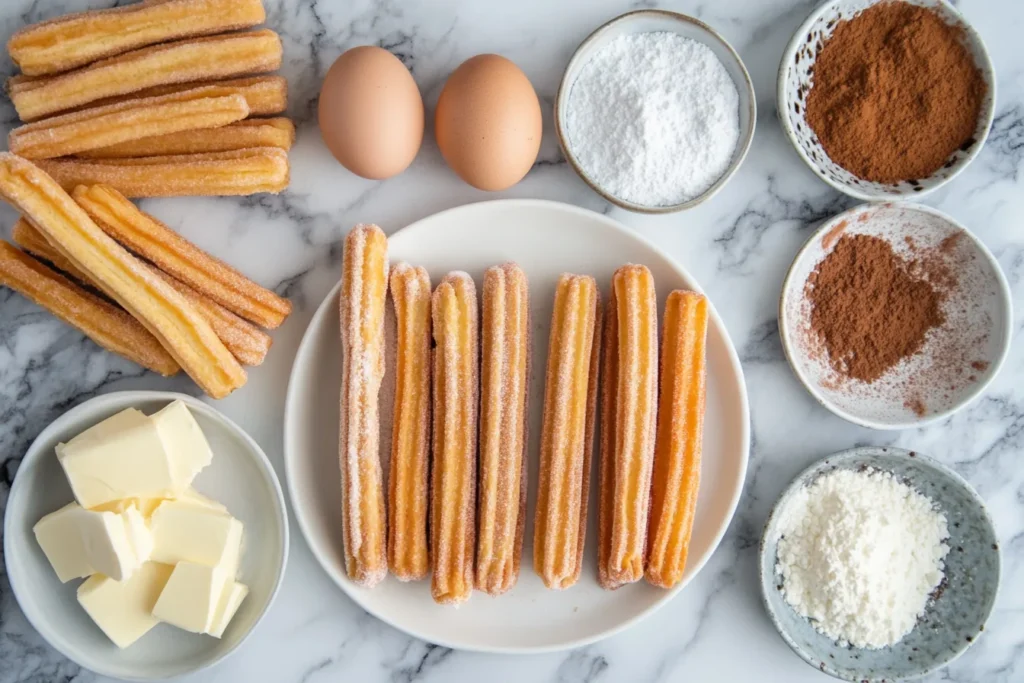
(896, 92)
(869, 308)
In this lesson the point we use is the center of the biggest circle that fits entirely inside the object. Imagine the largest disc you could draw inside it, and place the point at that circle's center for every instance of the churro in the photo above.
(453, 473)
(241, 172)
(408, 483)
(103, 322)
(158, 244)
(504, 385)
(277, 132)
(222, 56)
(102, 126)
(364, 286)
(628, 411)
(74, 40)
(245, 342)
(162, 310)
(567, 432)
(676, 476)
(265, 95)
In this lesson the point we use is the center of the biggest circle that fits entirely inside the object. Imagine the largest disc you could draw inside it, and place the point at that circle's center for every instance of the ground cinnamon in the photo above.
(896, 92)
(869, 308)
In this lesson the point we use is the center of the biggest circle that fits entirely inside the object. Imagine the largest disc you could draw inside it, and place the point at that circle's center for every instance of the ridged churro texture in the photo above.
(567, 432)
(628, 412)
(197, 59)
(453, 473)
(676, 477)
(185, 334)
(103, 322)
(504, 386)
(408, 483)
(364, 286)
(265, 95)
(277, 132)
(74, 40)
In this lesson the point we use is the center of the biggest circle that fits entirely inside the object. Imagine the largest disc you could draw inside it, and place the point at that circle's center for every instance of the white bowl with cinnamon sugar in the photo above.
(894, 315)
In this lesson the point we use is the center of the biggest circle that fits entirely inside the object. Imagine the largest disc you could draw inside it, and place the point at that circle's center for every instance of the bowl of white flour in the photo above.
(879, 564)
(655, 111)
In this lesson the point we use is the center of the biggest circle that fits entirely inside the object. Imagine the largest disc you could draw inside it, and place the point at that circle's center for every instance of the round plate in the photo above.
(951, 622)
(545, 239)
(240, 477)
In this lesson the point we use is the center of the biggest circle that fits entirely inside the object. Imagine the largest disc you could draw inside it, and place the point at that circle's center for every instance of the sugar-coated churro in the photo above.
(33, 242)
(277, 132)
(567, 432)
(149, 238)
(504, 386)
(265, 95)
(364, 286)
(241, 172)
(102, 126)
(408, 483)
(453, 472)
(676, 476)
(103, 322)
(223, 56)
(74, 40)
(628, 411)
(162, 310)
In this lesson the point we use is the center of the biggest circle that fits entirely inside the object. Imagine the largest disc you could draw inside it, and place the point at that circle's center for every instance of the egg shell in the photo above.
(371, 113)
(488, 122)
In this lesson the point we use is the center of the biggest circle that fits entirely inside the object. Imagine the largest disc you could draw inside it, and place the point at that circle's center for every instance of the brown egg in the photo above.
(371, 113)
(488, 123)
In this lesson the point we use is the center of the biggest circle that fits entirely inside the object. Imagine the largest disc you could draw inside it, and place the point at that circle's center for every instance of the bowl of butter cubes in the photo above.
(145, 535)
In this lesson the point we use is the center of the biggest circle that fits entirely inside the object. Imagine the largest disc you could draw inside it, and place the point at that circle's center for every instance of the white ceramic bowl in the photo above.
(647, 21)
(240, 477)
(796, 77)
(959, 358)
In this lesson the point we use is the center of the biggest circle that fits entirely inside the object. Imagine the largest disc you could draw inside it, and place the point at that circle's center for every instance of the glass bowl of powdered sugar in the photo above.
(879, 564)
(655, 111)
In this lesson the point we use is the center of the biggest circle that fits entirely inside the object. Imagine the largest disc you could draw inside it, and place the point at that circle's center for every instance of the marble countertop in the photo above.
(738, 246)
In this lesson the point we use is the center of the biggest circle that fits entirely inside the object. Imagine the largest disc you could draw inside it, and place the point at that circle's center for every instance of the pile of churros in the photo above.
(130, 283)
(455, 501)
(155, 99)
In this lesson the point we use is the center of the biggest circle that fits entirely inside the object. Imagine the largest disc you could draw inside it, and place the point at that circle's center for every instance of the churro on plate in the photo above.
(408, 482)
(453, 472)
(364, 286)
(567, 431)
(676, 476)
(276, 132)
(504, 386)
(628, 411)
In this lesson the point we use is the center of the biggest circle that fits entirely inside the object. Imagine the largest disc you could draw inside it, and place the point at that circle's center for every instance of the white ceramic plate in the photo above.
(546, 239)
(240, 477)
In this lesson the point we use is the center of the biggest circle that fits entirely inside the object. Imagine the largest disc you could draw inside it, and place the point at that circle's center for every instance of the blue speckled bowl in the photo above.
(950, 623)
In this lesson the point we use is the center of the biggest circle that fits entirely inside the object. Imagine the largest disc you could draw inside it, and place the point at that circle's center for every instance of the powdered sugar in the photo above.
(653, 118)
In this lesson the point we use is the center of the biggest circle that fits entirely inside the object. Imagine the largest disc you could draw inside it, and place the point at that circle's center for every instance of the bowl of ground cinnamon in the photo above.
(893, 315)
(886, 99)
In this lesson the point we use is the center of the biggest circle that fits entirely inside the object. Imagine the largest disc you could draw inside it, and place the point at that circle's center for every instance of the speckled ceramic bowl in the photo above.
(796, 77)
(951, 622)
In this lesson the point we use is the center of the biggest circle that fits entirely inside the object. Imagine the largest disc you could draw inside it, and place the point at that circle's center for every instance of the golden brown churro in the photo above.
(242, 172)
(168, 315)
(103, 322)
(265, 95)
(364, 286)
(676, 475)
(149, 238)
(277, 132)
(628, 411)
(223, 56)
(567, 432)
(453, 473)
(74, 40)
(408, 484)
(33, 242)
(103, 126)
(504, 380)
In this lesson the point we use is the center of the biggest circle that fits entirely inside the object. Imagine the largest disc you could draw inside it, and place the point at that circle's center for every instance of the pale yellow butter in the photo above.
(185, 443)
(230, 600)
(59, 535)
(191, 596)
(183, 532)
(124, 609)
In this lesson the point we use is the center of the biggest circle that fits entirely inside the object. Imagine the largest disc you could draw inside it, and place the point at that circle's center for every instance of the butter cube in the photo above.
(139, 535)
(230, 600)
(191, 597)
(108, 547)
(183, 532)
(124, 609)
(59, 536)
(185, 443)
(147, 506)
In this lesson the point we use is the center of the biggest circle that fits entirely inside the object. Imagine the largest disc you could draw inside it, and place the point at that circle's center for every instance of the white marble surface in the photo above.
(738, 245)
